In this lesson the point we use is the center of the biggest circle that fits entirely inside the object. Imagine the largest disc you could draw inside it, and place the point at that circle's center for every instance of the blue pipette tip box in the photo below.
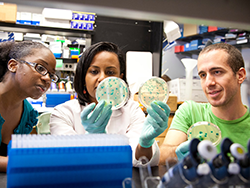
(84, 166)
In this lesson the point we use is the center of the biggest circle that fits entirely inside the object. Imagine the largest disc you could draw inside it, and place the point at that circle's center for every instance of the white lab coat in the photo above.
(128, 120)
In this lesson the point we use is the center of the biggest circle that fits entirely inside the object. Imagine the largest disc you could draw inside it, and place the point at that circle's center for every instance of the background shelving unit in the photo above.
(12, 27)
(211, 35)
(65, 32)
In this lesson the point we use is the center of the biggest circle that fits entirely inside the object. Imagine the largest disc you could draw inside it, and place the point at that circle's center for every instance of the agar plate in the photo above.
(154, 89)
(114, 91)
(205, 131)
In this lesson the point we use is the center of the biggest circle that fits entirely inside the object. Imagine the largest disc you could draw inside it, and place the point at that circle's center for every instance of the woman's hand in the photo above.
(96, 121)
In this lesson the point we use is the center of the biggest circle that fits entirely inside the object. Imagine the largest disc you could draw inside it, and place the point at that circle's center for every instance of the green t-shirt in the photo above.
(190, 112)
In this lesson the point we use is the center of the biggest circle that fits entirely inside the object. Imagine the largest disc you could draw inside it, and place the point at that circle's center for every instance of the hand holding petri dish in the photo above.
(154, 89)
(205, 131)
(114, 91)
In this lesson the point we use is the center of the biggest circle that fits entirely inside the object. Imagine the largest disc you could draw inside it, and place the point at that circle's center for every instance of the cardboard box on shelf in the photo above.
(8, 12)
(56, 18)
(58, 14)
(190, 29)
(172, 102)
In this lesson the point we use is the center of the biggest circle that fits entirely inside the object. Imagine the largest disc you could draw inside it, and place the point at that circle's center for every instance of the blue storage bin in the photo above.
(57, 55)
(72, 166)
(74, 52)
(186, 47)
(53, 99)
(203, 29)
(194, 44)
(74, 24)
(26, 22)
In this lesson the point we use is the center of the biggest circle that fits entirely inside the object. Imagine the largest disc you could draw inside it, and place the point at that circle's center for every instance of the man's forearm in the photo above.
(167, 153)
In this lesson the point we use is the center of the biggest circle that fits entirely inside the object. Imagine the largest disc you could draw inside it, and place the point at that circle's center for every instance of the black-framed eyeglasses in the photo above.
(42, 70)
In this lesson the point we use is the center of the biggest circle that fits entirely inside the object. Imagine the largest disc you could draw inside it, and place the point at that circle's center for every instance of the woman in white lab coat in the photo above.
(98, 62)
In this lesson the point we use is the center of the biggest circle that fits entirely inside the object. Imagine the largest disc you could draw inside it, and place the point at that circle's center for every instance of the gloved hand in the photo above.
(98, 120)
(182, 150)
(155, 123)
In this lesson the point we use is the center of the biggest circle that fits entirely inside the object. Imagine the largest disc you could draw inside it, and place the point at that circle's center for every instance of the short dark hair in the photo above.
(235, 59)
(16, 50)
(84, 63)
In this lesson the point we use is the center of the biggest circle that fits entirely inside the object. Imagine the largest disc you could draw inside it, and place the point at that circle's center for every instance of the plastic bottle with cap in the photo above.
(69, 86)
(61, 86)
(53, 87)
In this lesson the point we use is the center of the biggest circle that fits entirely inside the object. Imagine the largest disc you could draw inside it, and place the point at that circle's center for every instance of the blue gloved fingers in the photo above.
(164, 106)
(104, 114)
(180, 155)
(182, 150)
(153, 122)
(98, 109)
(108, 115)
(184, 146)
(159, 111)
(86, 111)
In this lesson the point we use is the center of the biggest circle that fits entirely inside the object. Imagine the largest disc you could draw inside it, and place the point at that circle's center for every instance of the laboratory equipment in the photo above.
(114, 91)
(244, 163)
(69, 86)
(154, 89)
(221, 167)
(61, 86)
(128, 183)
(237, 152)
(90, 160)
(192, 167)
(205, 131)
(146, 177)
(53, 87)
(243, 160)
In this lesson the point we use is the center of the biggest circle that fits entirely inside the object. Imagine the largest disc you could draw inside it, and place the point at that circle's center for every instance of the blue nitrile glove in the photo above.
(182, 150)
(98, 120)
(155, 123)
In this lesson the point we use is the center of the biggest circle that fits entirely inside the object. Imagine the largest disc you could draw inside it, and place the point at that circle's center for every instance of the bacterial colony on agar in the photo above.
(154, 89)
(205, 131)
(114, 91)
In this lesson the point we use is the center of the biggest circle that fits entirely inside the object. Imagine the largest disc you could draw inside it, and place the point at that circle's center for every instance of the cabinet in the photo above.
(239, 41)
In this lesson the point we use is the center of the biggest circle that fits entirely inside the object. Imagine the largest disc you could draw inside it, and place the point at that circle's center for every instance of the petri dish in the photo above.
(114, 91)
(205, 131)
(154, 88)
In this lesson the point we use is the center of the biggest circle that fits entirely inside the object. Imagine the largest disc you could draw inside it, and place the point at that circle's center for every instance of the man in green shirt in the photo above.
(221, 70)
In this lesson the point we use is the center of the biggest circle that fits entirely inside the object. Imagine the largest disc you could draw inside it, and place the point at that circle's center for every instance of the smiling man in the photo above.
(221, 70)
